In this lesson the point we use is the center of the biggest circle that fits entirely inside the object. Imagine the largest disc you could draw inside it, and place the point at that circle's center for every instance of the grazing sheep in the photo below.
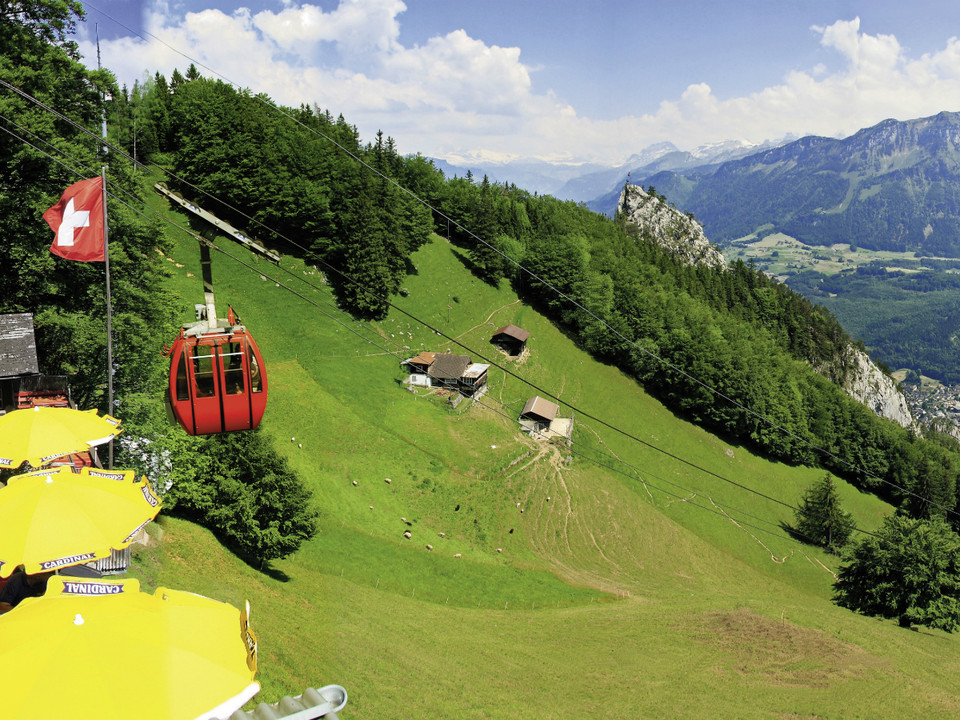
(457, 555)
(429, 547)
(387, 481)
(407, 535)
(442, 534)
(354, 483)
(500, 550)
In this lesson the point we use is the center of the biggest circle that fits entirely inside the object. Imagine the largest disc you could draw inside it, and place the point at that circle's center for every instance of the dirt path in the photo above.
(759, 542)
(515, 302)
(600, 440)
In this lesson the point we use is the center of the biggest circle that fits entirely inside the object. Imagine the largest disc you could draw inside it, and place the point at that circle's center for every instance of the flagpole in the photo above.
(106, 260)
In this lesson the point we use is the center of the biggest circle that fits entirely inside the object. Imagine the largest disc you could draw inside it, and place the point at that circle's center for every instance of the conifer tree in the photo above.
(484, 251)
(820, 519)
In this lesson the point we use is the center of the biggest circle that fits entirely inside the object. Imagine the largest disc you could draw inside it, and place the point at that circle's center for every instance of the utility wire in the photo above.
(518, 265)
(437, 331)
(852, 466)
(396, 354)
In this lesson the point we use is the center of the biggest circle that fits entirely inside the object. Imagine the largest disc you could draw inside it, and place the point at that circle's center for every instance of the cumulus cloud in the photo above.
(456, 95)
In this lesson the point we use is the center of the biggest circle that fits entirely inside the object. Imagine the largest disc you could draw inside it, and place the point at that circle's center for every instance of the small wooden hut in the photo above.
(511, 339)
(540, 412)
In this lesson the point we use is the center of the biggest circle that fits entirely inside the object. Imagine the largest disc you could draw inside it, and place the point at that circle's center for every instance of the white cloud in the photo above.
(357, 27)
(456, 95)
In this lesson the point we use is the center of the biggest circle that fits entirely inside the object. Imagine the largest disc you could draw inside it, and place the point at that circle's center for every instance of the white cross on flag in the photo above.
(78, 222)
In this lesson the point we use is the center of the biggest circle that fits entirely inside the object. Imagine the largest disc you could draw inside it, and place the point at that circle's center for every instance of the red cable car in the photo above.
(218, 381)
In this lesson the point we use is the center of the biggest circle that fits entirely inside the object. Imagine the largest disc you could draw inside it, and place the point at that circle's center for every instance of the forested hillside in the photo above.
(732, 350)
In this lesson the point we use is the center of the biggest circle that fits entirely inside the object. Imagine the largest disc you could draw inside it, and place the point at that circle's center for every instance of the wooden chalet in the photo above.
(447, 369)
(459, 372)
(511, 339)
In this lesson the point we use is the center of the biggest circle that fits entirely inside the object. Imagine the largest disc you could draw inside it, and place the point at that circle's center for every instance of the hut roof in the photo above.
(475, 370)
(517, 333)
(18, 348)
(424, 358)
(538, 408)
(447, 366)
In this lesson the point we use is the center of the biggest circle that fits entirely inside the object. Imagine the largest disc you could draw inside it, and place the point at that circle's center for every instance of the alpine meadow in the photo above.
(706, 524)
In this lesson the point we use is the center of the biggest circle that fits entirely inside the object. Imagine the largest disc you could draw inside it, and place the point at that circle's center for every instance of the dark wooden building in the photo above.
(511, 339)
(21, 384)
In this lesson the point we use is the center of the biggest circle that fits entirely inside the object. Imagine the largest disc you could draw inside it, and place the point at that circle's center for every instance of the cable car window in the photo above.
(203, 373)
(256, 380)
(233, 368)
(183, 392)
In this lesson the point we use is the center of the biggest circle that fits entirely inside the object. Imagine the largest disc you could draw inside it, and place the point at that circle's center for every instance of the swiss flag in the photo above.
(78, 222)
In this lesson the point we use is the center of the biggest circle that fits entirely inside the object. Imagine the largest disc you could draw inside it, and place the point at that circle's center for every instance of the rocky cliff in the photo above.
(866, 383)
(679, 233)
(682, 235)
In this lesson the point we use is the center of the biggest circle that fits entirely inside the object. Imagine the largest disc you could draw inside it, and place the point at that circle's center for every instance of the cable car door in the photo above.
(203, 368)
(235, 393)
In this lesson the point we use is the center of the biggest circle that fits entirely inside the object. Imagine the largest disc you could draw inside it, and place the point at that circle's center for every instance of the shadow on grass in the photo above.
(274, 574)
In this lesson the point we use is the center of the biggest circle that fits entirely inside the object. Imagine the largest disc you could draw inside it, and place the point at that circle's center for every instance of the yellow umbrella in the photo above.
(104, 649)
(41, 434)
(53, 518)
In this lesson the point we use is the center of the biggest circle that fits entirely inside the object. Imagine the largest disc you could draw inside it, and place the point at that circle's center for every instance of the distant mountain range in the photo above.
(894, 186)
(585, 182)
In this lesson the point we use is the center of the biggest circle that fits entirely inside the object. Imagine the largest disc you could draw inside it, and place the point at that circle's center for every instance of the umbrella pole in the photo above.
(106, 257)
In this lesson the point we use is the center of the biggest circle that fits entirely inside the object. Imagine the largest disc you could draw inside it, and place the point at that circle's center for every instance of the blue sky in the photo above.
(567, 81)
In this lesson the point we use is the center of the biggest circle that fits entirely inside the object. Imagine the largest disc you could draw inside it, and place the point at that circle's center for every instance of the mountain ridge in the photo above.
(893, 186)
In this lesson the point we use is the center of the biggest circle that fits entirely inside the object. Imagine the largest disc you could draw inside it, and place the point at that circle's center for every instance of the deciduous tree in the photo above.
(909, 571)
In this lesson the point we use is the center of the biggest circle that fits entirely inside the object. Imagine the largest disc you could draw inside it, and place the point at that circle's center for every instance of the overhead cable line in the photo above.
(533, 275)
(249, 266)
(852, 466)
(389, 303)
(642, 475)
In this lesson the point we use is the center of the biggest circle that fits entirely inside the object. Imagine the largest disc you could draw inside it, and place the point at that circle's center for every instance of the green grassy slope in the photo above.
(606, 596)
